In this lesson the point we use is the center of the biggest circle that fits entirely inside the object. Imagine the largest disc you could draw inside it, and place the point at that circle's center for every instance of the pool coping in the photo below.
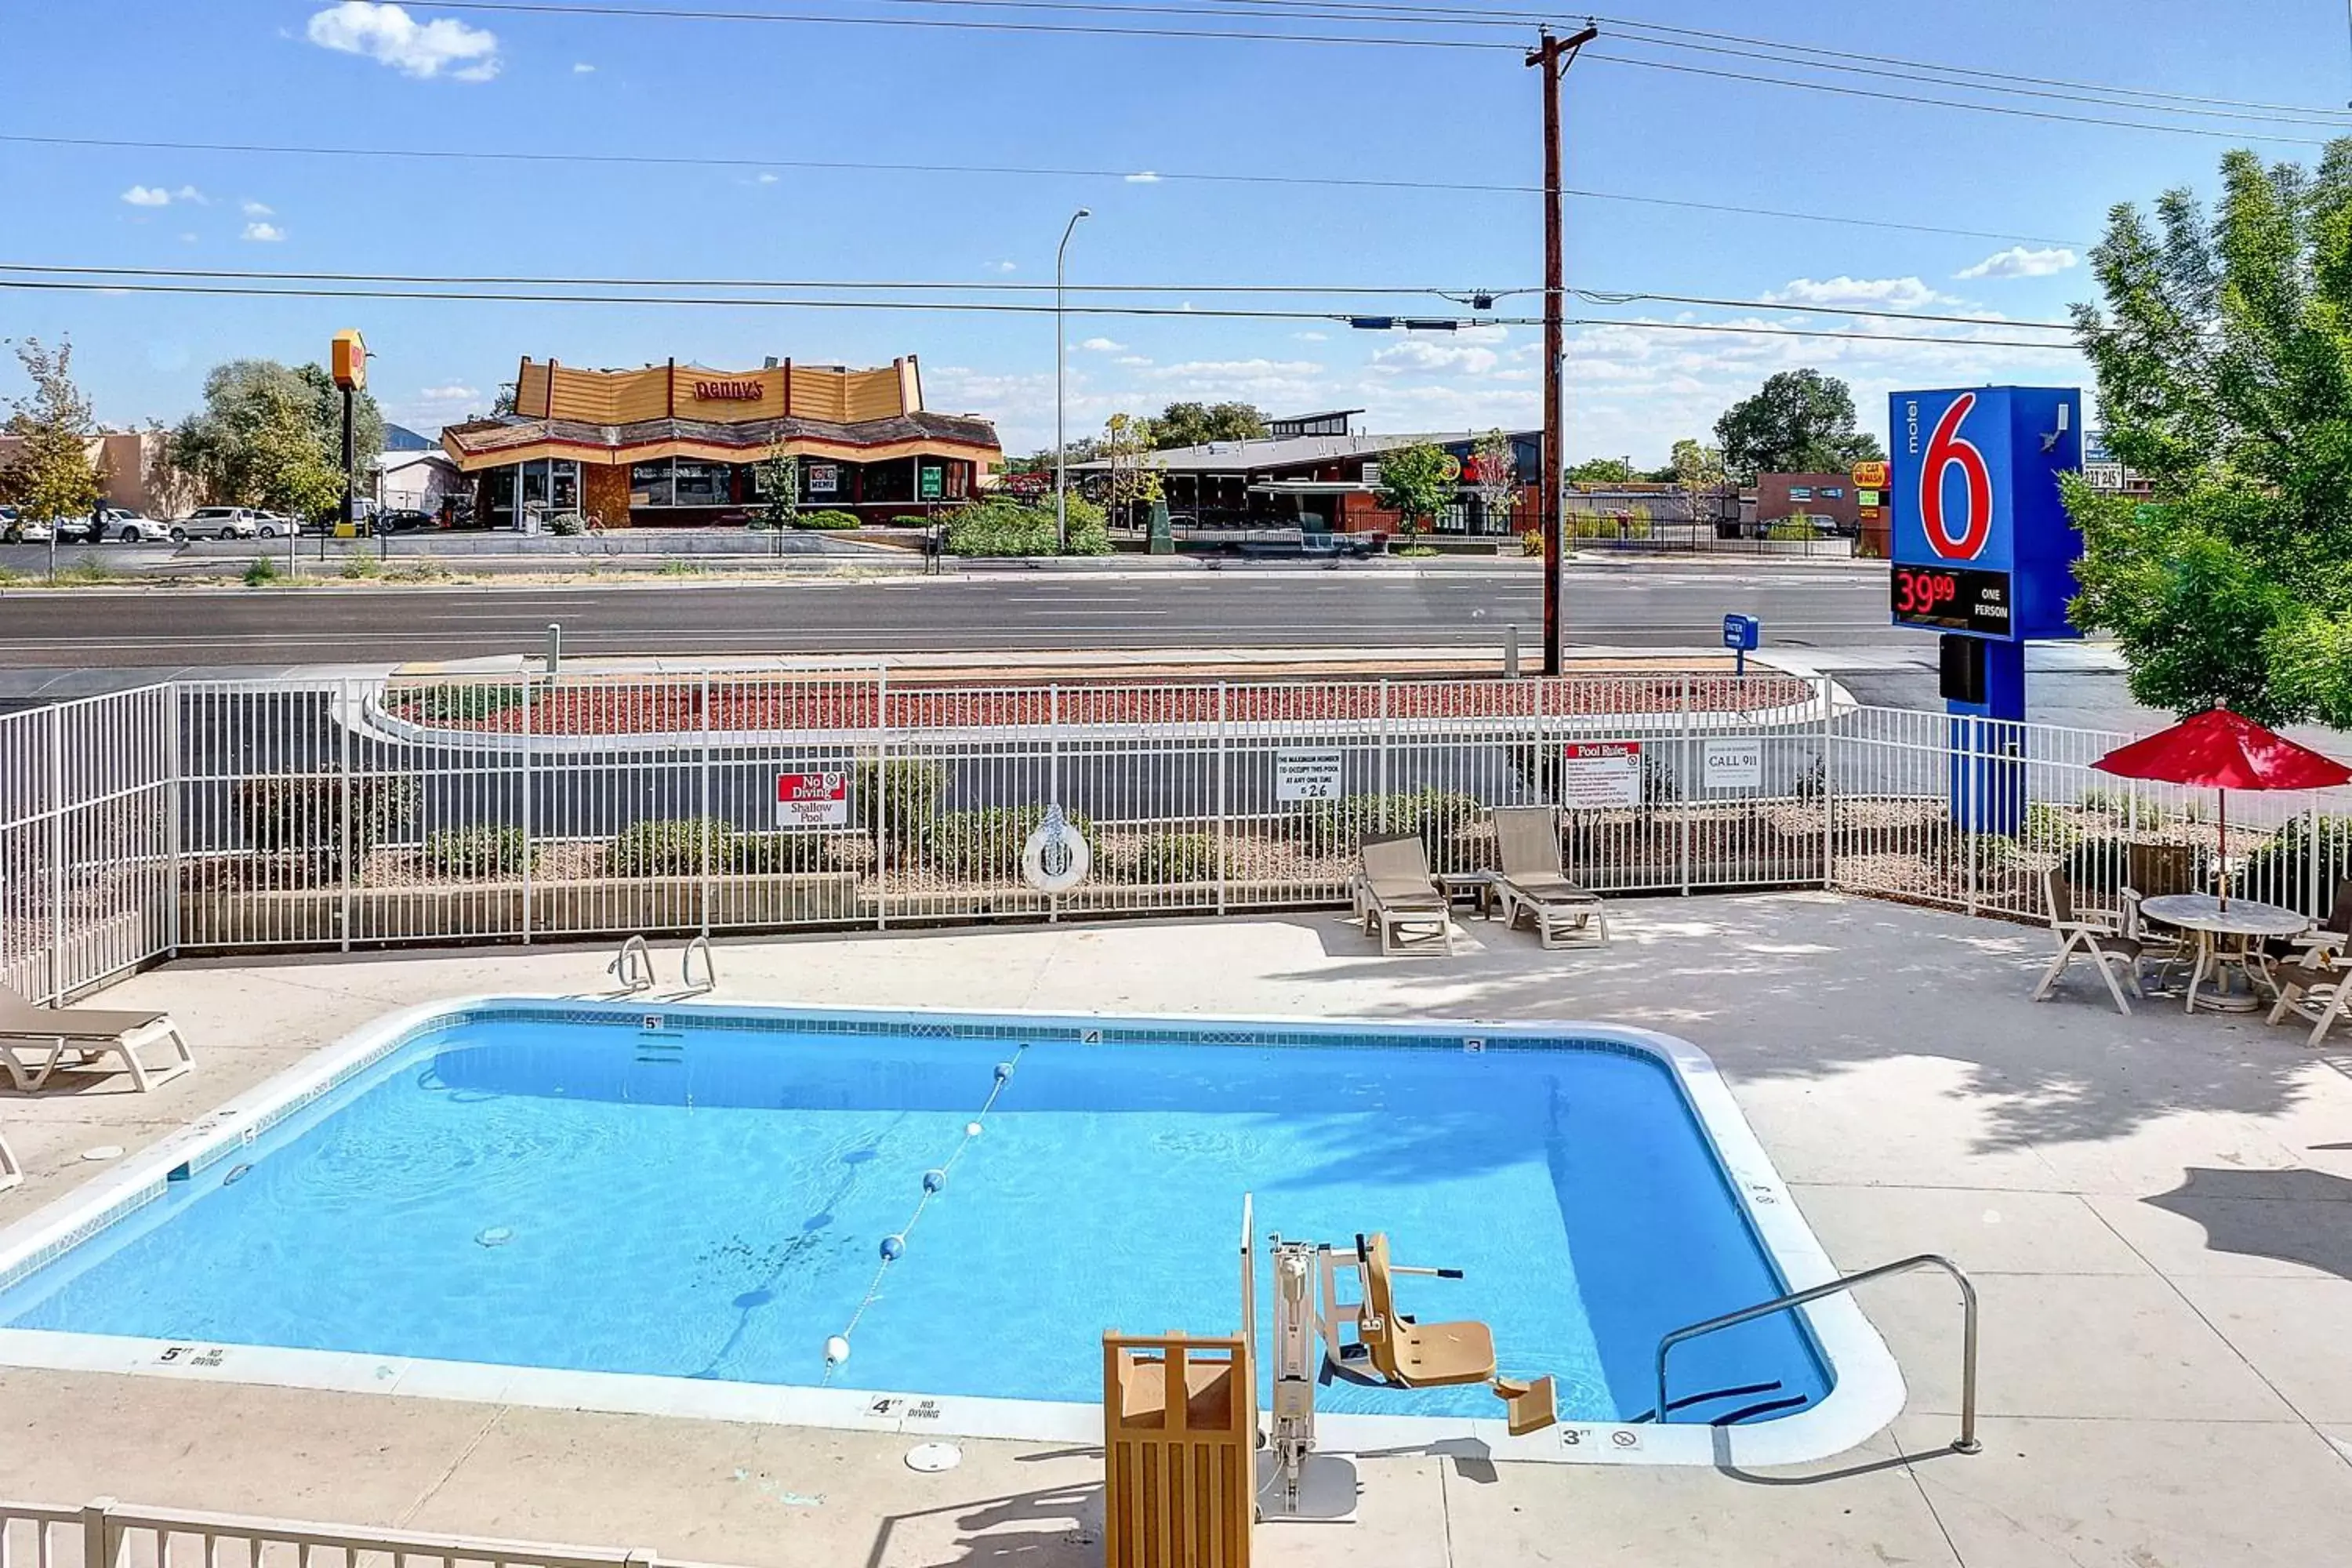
(1867, 1394)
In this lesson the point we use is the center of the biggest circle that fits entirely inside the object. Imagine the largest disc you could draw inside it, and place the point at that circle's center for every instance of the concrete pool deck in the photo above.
(2157, 1210)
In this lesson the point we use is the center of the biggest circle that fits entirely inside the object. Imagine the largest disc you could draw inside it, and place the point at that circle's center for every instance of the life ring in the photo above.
(1055, 859)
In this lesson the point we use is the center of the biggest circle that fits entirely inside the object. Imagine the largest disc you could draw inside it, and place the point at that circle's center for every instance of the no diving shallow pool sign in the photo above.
(812, 799)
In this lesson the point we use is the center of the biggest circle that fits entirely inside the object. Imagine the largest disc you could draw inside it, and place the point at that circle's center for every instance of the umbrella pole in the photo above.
(2223, 796)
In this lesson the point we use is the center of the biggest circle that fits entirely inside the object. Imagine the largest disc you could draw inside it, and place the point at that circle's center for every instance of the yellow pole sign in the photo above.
(348, 363)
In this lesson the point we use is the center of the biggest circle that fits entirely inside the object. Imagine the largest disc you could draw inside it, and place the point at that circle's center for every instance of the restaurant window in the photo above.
(563, 485)
(649, 483)
(891, 481)
(534, 485)
(701, 484)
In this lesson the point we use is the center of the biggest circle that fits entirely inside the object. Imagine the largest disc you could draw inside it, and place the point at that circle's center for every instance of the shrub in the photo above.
(668, 846)
(1790, 530)
(1339, 827)
(764, 854)
(909, 520)
(260, 572)
(442, 703)
(484, 849)
(2098, 866)
(566, 523)
(1163, 857)
(2279, 873)
(985, 845)
(2048, 827)
(683, 569)
(826, 520)
(361, 566)
(911, 790)
(1531, 541)
(1009, 528)
(302, 817)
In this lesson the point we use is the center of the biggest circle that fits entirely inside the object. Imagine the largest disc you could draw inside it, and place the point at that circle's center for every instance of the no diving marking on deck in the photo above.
(189, 1355)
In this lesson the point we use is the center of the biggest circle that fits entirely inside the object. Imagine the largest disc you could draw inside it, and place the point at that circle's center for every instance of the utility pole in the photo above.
(1553, 57)
(1061, 376)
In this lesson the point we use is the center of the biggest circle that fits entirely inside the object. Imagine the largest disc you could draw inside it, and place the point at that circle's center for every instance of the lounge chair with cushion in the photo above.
(77, 1035)
(2100, 940)
(2316, 983)
(1533, 883)
(1396, 898)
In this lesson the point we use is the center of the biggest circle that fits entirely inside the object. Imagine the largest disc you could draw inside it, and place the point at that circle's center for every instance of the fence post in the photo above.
(98, 1538)
(881, 797)
(523, 809)
(1681, 801)
(350, 839)
(2317, 900)
(1382, 766)
(1971, 797)
(1829, 773)
(1054, 776)
(703, 709)
(1223, 745)
(57, 856)
(175, 810)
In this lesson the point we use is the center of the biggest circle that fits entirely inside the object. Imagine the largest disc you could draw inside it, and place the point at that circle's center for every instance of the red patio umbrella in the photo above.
(2222, 750)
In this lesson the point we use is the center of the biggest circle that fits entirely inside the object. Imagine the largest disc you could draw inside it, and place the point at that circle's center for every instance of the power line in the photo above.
(946, 306)
(1336, 181)
(455, 281)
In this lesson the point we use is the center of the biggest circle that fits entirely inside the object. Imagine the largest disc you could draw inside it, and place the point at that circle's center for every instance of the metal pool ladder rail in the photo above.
(634, 969)
(1967, 1442)
(710, 966)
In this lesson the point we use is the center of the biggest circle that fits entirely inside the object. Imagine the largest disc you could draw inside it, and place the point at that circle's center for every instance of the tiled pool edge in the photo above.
(1867, 1389)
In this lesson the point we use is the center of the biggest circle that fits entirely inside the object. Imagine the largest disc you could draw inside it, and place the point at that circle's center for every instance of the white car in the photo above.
(272, 525)
(217, 523)
(17, 530)
(129, 527)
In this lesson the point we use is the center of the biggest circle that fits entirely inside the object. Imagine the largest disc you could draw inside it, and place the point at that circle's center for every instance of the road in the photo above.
(1364, 609)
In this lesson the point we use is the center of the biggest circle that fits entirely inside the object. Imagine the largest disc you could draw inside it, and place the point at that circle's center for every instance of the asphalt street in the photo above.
(1303, 608)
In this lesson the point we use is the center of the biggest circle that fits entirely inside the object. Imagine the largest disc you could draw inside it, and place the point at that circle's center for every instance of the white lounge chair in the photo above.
(12, 1169)
(1396, 898)
(2100, 940)
(84, 1034)
(1532, 881)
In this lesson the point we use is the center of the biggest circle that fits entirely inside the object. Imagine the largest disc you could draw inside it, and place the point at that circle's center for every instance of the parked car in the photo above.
(15, 528)
(402, 521)
(218, 523)
(271, 524)
(130, 527)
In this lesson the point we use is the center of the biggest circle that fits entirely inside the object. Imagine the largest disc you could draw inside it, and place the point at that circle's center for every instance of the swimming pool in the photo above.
(674, 1207)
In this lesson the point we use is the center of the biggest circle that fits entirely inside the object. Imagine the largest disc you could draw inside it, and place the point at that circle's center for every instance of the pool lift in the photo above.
(1366, 1342)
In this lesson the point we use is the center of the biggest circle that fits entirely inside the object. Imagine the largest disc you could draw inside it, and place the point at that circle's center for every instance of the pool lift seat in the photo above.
(1404, 1354)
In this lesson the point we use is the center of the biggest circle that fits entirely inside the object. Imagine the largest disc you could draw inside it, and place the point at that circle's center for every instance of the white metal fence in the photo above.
(107, 1534)
(338, 813)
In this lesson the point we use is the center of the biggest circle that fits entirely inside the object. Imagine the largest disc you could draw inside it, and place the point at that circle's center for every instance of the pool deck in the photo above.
(2157, 1210)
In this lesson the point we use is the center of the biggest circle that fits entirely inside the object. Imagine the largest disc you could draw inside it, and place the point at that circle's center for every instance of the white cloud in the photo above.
(1143, 177)
(454, 392)
(1878, 293)
(582, 67)
(188, 238)
(1102, 345)
(264, 233)
(1131, 361)
(767, 179)
(1008, 266)
(2018, 261)
(1312, 336)
(189, 194)
(1199, 368)
(148, 196)
(252, 209)
(1419, 355)
(388, 34)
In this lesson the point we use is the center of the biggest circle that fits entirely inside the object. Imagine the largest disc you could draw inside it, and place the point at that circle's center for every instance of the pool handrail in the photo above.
(632, 969)
(1965, 1443)
(710, 966)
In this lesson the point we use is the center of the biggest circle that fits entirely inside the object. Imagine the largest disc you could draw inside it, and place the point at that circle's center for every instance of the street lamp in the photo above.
(1061, 375)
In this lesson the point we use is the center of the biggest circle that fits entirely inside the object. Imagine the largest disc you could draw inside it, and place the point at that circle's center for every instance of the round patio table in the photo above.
(2225, 941)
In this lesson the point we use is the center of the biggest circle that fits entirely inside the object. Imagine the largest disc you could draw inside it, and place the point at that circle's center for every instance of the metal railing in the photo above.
(107, 1534)
(340, 813)
(1965, 1443)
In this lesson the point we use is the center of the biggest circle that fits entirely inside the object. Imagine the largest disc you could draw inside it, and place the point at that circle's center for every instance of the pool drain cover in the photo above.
(930, 1458)
(496, 1236)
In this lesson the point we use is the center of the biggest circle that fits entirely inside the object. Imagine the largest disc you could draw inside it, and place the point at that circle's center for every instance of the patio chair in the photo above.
(2316, 983)
(1533, 883)
(12, 1169)
(2102, 941)
(2155, 871)
(88, 1033)
(1396, 897)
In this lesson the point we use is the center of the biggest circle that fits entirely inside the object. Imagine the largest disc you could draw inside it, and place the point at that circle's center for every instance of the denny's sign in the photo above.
(750, 389)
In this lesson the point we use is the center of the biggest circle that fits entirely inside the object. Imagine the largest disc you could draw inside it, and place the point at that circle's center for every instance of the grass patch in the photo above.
(356, 567)
(441, 703)
(261, 572)
(422, 571)
(684, 569)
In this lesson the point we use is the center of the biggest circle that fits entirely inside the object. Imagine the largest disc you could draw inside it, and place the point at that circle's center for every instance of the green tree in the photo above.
(1498, 481)
(52, 474)
(1601, 471)
(1414, 483)
(2223, 352)
(1134, 480)
(776, 479)
(266, 432)
(1698, 476)
(1798, 421)
(1196, 424)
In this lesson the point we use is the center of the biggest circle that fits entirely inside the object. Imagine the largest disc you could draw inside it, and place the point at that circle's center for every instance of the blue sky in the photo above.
(303, 71)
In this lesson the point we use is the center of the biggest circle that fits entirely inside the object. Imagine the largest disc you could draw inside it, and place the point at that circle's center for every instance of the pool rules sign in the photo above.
(812, 799)
(1601, 774)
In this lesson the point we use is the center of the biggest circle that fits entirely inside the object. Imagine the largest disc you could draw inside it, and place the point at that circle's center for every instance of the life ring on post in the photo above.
(1055, 859)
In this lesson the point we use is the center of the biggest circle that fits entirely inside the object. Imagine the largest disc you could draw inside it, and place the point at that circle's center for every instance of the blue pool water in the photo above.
(708, 1202)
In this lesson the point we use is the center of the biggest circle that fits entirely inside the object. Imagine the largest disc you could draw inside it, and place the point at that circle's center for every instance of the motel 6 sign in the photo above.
(1980, 541)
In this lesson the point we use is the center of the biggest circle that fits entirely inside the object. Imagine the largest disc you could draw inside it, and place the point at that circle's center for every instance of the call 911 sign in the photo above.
(812, 799)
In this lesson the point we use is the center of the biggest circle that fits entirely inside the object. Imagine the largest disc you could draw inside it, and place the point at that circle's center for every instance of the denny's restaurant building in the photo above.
(678, 445)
